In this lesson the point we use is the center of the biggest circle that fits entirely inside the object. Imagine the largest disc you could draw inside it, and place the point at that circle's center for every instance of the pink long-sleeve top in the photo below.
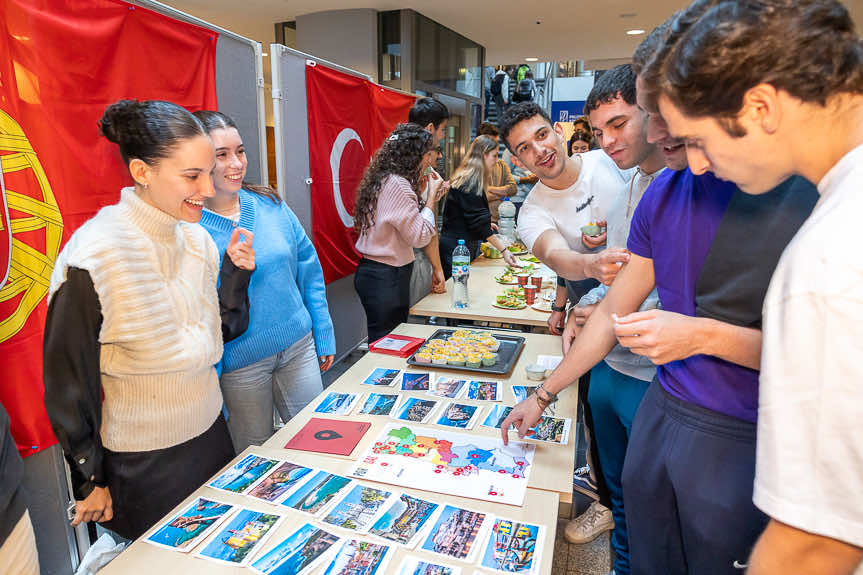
(399, 225)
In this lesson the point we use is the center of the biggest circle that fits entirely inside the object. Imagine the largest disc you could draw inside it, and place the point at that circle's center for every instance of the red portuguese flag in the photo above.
(63, 63)
(349, 117)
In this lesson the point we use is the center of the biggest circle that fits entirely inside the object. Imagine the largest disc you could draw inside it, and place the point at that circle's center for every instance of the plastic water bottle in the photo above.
(460, 274)
(506, 221)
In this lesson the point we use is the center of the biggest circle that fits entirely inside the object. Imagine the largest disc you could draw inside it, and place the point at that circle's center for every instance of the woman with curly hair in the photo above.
(466, 215)
(391, 220)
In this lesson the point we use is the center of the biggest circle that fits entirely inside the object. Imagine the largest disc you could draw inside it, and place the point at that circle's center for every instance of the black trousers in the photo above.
(146, 485)
(385, 292)
(687, 489)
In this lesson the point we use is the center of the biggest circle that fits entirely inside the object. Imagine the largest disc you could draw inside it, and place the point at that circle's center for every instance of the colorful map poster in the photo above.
(448, 462)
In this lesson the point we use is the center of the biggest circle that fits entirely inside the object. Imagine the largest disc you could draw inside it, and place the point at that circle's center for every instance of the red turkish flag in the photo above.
(349, 117)
(63, 63)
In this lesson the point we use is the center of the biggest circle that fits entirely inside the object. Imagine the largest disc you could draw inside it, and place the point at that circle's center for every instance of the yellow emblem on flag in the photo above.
(29, 269)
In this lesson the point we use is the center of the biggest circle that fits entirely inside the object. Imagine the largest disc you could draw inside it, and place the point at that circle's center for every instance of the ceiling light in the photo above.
(531, 59)
(635, 32)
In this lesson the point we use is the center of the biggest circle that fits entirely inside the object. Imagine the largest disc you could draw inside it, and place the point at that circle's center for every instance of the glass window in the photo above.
(446, 59)
(390, 72)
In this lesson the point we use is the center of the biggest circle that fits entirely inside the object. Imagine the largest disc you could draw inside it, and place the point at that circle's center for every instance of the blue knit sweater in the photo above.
(287, 295)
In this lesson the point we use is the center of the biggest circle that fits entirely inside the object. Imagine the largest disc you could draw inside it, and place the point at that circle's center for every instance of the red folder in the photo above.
(398, 345)
(337, 437)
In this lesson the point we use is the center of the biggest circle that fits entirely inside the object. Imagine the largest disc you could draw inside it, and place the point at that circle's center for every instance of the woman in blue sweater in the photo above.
(290, 339)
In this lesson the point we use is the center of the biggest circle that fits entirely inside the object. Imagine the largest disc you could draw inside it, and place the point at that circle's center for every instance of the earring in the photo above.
(145, 186)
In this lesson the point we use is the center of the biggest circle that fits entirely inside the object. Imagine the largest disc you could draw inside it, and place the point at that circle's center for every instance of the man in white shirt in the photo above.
(742, 117)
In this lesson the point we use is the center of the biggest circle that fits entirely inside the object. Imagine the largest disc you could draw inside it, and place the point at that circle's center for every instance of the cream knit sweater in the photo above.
(161, 331)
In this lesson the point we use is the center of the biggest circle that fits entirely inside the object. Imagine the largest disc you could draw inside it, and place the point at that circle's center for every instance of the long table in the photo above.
(549, 487)
(482, 289)
(553, 464)
(141, 557)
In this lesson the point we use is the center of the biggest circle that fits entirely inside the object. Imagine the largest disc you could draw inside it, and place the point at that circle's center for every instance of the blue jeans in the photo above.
(614, 398)
(288, 381)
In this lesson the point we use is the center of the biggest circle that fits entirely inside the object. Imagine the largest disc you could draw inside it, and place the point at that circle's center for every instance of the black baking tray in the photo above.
(507, 354)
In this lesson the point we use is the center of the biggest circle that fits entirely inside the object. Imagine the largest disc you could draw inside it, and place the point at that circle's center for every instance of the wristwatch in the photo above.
(558, 307)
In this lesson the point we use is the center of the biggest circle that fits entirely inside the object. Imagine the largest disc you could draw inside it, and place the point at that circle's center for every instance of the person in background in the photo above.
(525, 89)
(427, 275)
(18, 554)
(134, 331)
(488, 78)
(392, 219)
(290, 338)
(524, 179)
(739, 89)
(500, 183)
(466, 215)
(580, 142)
(500, 91)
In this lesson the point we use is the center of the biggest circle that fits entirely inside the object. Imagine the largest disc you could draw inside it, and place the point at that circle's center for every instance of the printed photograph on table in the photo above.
(404, 520)
(448, 461)
(459, 415)
(243, 534)
(191, 526)
(415, 410)
(550, 429)
(302, 551)
(417, 566)
(358, 509)
(382, 376)
(496, 416)
(512, 547)
(522, 391)
(356, 557)
(337, 403)
(483, 390)
(242, 474)
(456, 533)
(416, 381)
(279, 482)
(379, 404)
(448, 387)
(316, 493)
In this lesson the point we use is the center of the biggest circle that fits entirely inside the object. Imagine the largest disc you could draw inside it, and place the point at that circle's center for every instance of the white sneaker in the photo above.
(590, 524)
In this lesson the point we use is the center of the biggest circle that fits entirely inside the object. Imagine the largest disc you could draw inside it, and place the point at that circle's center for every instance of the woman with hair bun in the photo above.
(290, 339)
(135, 317)
(391, 219)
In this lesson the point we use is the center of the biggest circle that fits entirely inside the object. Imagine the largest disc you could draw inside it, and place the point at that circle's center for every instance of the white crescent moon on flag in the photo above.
(342, 140)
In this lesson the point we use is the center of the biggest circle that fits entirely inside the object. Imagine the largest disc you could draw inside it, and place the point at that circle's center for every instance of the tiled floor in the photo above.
(592, 558)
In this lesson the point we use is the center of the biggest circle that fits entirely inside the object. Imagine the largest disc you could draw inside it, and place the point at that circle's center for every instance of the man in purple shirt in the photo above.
(687, 480)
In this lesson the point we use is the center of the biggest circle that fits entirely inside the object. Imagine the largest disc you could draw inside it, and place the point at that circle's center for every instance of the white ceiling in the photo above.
(510, 30)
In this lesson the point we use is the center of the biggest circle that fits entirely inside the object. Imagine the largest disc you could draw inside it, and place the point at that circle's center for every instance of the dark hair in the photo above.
(652, 69)
(517, 113)
(583, 120)
(648, 47)
(619, 82)
(148, 130)
(807, 48)
(400, 155)
(427, 111)
(581, 136)
(488, 129)
(213, 120)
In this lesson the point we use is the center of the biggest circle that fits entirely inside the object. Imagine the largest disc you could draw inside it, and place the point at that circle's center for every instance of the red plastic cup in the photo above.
(537, 281)
(530, 292)
(522, 279)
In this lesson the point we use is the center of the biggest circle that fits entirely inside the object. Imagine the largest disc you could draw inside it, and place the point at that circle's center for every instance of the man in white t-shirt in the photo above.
(571, 193)
(741, 92)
